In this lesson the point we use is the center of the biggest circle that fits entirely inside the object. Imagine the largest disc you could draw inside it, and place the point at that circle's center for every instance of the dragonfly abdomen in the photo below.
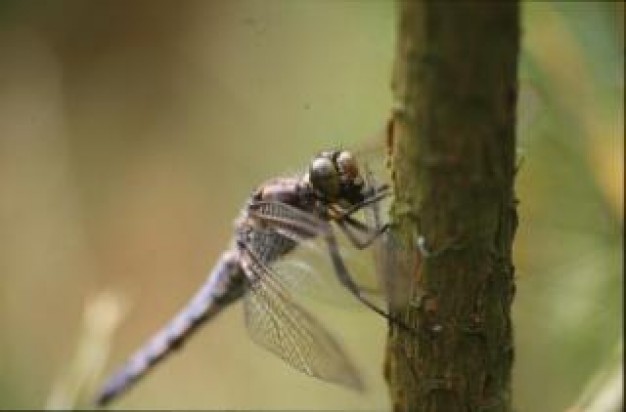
(224, 285)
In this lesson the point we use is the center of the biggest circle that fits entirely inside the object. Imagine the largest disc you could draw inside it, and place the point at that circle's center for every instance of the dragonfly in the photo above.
(280, 215)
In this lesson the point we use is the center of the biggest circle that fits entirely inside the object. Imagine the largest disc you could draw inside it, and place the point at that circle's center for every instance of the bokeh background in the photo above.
(131, 133)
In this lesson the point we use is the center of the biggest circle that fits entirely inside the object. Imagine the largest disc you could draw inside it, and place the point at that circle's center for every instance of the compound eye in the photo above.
(324, 177)
(347, 165)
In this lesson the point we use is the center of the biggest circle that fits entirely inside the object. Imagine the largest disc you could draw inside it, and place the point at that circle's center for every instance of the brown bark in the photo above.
(452, 151)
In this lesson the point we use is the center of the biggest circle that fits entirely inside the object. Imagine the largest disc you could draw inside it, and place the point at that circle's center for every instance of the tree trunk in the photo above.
(452, 151)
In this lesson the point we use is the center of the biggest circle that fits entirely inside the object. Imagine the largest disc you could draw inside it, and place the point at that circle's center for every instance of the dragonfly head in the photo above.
(335, 177)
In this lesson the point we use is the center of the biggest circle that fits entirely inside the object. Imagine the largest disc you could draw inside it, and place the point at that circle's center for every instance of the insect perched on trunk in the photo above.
(280, 214)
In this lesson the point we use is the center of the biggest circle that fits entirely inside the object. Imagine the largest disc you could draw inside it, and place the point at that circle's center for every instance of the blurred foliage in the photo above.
(569, 246)
(131, 132)
(75, 387)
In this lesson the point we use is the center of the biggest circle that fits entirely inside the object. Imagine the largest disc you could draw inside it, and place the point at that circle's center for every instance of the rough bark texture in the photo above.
(452, 150)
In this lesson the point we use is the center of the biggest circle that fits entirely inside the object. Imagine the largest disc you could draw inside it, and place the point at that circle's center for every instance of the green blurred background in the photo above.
(131, 133)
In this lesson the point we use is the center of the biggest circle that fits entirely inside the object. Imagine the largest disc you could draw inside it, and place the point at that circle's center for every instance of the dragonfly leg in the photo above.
(296, 223)
(291, 234)
(347, 281)
(346, 225)
(375, 188)
(379, 194)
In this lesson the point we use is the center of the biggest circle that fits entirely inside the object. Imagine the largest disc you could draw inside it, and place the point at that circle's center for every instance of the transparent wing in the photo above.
(372, 213)
(397, 262)
(398, 266)
(280, 325)
(307, 269)
(308, 272)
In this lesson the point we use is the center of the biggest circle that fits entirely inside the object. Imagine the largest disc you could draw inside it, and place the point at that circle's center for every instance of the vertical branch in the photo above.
(452, 149)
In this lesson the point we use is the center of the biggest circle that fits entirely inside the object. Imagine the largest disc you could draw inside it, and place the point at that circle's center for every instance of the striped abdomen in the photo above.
(224, 285)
